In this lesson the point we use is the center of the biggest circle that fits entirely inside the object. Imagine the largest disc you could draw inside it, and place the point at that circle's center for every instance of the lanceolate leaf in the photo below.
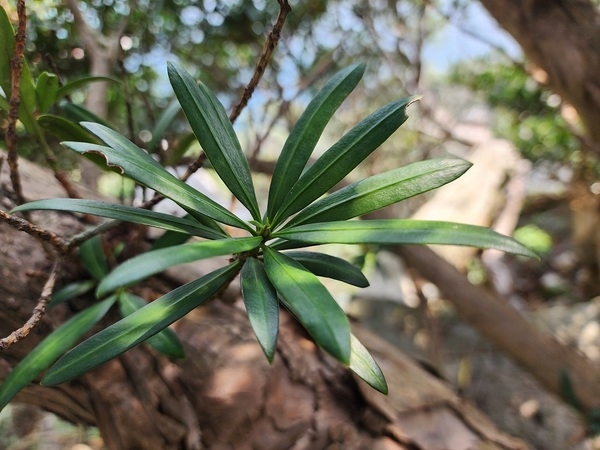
(137, 327)
(165, 120)
(329, 266)
(93, 258)
(403, 231)
(215, 133)
(152, 262)
(55, 344)
(80, 114)
(165, 341)
(344, 156)
(71, 291)
(303, 294)
(307, 131)
(64, 129)
(262, 306)
(140, 166)
(123, 212)
(74, 85)
(365, 366)
(382, 190)
(45, 90)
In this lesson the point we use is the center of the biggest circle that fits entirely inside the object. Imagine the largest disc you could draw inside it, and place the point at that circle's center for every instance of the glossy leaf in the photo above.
(93, 258)
(365, 366)
(303, 294)
(344, 156)
(403, 231)
(137, 327)
(46, 89)
(64, 129)
(382, 190)
(306, 132)
(141, 167)
(323, 265)
(153, 262)
(51, 348)
(262, 306)
(122, 212)
(71, 291)
(166, 341)
(216, 135)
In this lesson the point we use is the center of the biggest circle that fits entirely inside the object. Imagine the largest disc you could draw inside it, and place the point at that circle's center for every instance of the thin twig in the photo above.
(16, 67)
(38, 311)
(39, 233)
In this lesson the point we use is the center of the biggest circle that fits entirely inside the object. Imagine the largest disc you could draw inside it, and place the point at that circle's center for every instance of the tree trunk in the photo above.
(225, 394)
(561, 37)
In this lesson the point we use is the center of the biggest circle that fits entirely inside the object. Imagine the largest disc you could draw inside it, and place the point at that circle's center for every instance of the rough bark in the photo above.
(561, 37)
(224, 394)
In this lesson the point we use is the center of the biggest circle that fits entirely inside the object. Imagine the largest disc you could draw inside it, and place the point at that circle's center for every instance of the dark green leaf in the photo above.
(93, 258)
(323, 265)
(403, 231)
(166, 341)
(155, 261)
(262, 306)
(80, 114)
(303, 294)
(71, 291)
(344, 156)
(307, 131)
(140, 166)
(64, 129)
(215, 133)
(137, 327)
(170, 239)
(122, 212)
(382, 190)
(365, 366)
(45, 90)
(54, 345)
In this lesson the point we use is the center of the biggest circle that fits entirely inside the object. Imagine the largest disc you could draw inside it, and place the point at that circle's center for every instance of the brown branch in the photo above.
(41, 234)
(16, 67)
(266, 55)
(38, 311)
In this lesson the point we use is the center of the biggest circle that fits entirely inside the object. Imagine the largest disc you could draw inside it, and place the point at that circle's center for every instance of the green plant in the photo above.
(296, 216)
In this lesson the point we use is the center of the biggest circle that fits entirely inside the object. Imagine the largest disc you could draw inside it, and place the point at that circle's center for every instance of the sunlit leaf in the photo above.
(165, 341)
(382, 190)
(303, 294)
(155, 261)
(93, 258)
(329, 266)
(262, 306)
(51, 348)
(344, 156)
(216, 135)
(306, 132)
(137, 327)
(403, 231)
(122, 212)
(140, 166)
(365, 366)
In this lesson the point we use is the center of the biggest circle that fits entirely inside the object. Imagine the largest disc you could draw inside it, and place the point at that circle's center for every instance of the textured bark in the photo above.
(561, 37)
(224, 394)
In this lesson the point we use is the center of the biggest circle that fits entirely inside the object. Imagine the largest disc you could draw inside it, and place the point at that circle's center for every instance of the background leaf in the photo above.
(314, 307)
(45, 90)
(306, 133)
(93, 258)
(262, 306)
(137, 327)
(403, 231)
